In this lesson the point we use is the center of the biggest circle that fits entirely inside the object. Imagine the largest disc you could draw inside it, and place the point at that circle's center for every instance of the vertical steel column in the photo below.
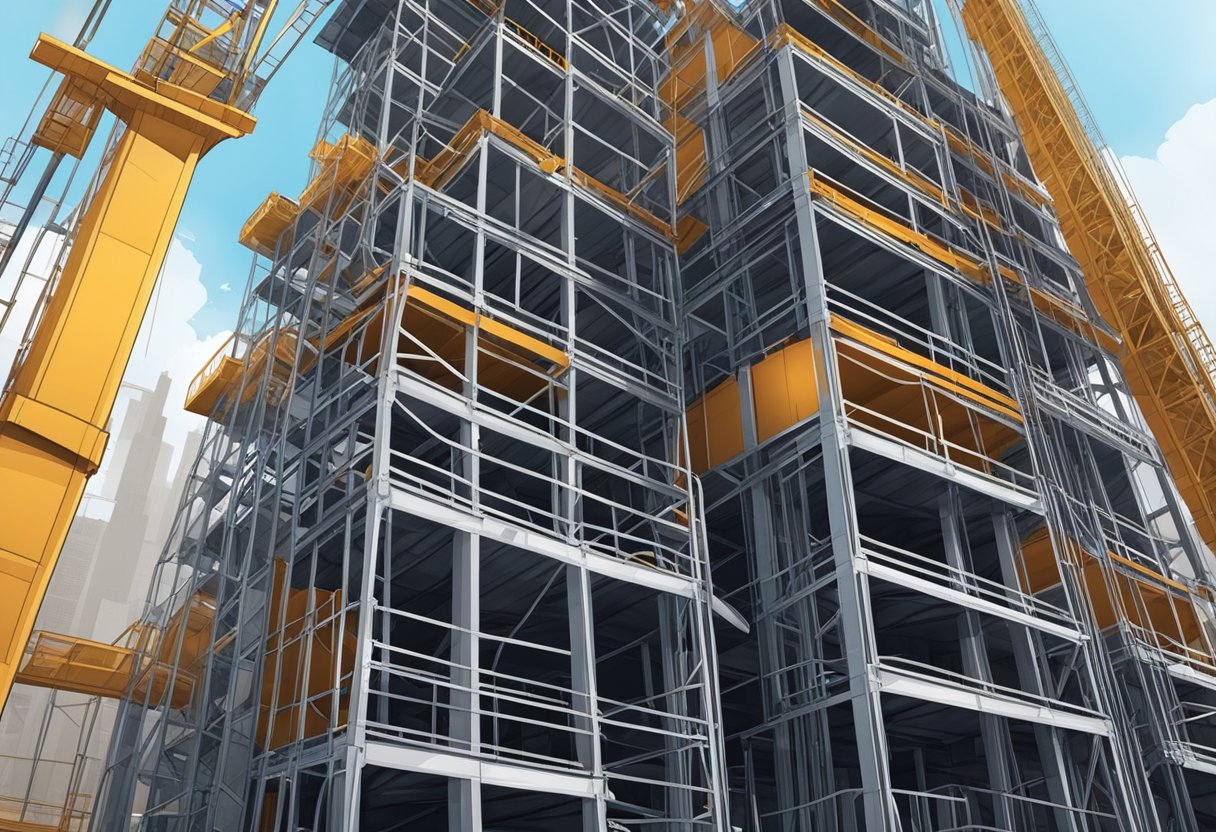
(852, 585)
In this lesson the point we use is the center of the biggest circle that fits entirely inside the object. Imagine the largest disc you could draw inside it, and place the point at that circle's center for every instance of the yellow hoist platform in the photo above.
(148, 662)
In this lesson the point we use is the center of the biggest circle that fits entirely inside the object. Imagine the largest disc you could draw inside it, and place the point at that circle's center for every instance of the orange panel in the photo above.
(93, 668)
(919, 402)
(685, 43)
(305, 653)
(1042, 569)
(343, 167)
(510, 362)
(262, 230)
(784, 390)
(724, 422)
(691, 166)
(211, 383)
(698, 438)
(1165, 614)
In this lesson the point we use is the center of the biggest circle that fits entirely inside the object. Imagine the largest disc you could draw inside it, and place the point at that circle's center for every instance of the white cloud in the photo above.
(168, 343)
(71, 16)
(1176, 189)
(21, 287)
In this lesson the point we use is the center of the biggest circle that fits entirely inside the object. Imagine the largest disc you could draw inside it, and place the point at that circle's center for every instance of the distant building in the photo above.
(97, 590)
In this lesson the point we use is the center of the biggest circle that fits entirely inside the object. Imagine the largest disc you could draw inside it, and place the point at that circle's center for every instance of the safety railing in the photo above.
(21, 815)
(937, 348)
(643, 522)
(233, 349)
(536, 44)
(922, 671)
(861, 30)
(785, 35)
(967, 583)
(858, 208)
(418, 696)
(845, 142)
(1078, 410)
(929, 436)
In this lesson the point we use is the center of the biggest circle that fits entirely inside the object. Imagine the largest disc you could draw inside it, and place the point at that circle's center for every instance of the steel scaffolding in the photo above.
(438, 564)
(968, 573)
(587, 299)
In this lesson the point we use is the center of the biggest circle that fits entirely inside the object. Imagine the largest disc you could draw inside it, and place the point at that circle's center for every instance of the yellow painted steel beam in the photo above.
(1167, 358)
(53, 418)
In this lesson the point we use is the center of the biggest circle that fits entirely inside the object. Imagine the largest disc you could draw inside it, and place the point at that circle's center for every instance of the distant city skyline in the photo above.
(99, 588)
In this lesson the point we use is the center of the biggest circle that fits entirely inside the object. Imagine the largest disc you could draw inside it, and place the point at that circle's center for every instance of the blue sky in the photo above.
(234, 177)
(1140, 70)
(1140, 65)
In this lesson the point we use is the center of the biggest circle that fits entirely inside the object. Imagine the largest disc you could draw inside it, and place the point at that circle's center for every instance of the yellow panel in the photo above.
(344, 165)
(691, 166)
(267, 223)
(93, 668)
(917, 401)
(784, 391)
(212, 383)
(732, 47)
(802, 379)
(509, 361)
(724, 422)
(689, 229)
(14, 590)
(771, 396)
(698, 438)
(304, 653)
(952, 379)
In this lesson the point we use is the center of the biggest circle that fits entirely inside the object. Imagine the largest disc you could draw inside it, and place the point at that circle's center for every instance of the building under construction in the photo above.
(672, 416)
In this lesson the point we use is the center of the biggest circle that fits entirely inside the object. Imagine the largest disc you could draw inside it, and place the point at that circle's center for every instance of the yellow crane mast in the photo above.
(1168, 359)
(190, 89)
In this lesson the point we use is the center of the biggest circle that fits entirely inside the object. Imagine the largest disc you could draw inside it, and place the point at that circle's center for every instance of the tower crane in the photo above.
(193, 86)
(1169, 362)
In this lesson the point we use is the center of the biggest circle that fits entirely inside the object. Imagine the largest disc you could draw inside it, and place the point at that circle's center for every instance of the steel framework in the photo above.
(439, 564)
(586, 299)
